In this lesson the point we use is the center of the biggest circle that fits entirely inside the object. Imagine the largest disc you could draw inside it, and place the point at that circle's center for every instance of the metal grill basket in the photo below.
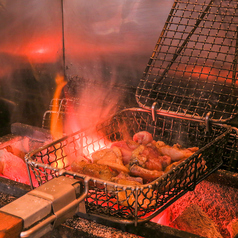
(134, 203)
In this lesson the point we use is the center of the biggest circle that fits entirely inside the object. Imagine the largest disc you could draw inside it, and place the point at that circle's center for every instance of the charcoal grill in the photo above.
(186, 95)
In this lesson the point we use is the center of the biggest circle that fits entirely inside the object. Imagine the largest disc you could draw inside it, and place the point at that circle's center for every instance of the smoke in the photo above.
(107, 43)
(90, 102)
(114, 36)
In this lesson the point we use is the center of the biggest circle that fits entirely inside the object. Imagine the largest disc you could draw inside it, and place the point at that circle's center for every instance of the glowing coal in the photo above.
(218, 202)
(13, 167)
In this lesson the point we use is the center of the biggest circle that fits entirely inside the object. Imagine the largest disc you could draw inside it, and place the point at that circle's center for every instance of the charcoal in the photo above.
(14, 168)
(33, 132)
(194, 220)
(15, 151)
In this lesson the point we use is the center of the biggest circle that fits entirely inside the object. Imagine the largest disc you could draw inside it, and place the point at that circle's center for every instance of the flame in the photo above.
(84, 113)
(56, 126)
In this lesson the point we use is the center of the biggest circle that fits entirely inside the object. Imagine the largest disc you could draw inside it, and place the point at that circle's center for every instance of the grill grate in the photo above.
(134, 203)
(193, 68)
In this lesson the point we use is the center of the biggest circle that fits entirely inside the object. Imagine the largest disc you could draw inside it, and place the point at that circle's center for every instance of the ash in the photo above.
(5, 199)
(97, 230)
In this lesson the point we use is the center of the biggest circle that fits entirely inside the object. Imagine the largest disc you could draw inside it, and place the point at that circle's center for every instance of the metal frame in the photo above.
(133, 204)
(193, 68)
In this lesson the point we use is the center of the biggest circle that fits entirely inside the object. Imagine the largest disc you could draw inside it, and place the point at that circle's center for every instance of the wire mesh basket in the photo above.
(133, 203)
(193, 68)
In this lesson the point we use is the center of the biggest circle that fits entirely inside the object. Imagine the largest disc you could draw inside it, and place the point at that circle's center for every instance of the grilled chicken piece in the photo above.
(146, 174)
(93, 170)
(171, 166)
(159, 163)
(123, 178)
(148, 152)
(97, 155)
(112, 158)
(176, 152)
(143, 137)
(126, 148)
(150, 158)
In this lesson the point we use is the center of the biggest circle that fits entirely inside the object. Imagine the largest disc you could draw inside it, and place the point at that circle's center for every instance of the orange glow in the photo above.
(204, 73)
(162, 218)
(59, 164)
(42, 50)
(56, 124)
(38, 49)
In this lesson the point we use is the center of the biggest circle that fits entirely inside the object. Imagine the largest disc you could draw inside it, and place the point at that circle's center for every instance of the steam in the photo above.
(92, 102)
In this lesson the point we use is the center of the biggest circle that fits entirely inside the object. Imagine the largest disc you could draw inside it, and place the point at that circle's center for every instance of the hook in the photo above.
(153, 111)
(207, 122)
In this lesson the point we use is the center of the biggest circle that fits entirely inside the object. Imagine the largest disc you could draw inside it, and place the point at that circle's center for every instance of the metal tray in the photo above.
(132, 204)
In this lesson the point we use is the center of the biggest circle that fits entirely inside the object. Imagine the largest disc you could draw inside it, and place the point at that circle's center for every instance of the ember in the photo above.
(218, 202)
(12, 152)
(13, 167)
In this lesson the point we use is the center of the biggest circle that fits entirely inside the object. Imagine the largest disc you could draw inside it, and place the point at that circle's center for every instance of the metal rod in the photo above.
(63, 42)
(49, 220)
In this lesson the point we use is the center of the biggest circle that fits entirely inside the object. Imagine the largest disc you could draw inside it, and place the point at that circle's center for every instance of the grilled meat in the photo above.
(93, 170)
(143, 137)
(141, 158)
(126, 147)
(146, 174)
(123, 178)
(175, 152)
(111, 157)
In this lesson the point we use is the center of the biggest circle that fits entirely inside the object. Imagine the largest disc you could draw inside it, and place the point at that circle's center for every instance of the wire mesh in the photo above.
(134, 203)
(193, 68)
(230, 157)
